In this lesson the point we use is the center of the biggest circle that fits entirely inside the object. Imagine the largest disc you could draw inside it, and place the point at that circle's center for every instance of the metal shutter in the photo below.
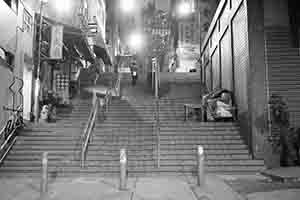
(241, 57)
(216, 68)
(226, 60)
(208, 77)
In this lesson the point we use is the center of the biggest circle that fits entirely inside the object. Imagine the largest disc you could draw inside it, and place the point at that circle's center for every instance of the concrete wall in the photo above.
(8, 21)
(24, 59)
(257, 77)
(19, 41)
(5, 95)
(276, 12)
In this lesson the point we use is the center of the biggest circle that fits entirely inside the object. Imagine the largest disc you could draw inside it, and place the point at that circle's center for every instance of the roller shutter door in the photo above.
(241, 59)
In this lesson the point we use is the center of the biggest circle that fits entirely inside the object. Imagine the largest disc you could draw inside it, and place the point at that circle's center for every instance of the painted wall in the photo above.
(8, 20)
(17, 39)
(24, 55)
(276, 12)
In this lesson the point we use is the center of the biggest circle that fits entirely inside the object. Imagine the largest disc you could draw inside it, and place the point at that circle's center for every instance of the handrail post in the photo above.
(44, 180)
(88, 129)
(157, 129)
(82, 156)
(123, 170)
(200, 163)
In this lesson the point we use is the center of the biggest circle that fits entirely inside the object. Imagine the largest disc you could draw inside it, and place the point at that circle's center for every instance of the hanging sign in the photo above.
(56, 48)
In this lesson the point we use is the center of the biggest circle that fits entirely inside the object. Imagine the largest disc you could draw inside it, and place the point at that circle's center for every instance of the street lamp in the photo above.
(136, 41)
(127, 5)
(62, 6)
(184, 9)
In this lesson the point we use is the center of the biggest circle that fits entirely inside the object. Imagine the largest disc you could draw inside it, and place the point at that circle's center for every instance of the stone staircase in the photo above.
(284, 69)
(125, 126)
(130, 124)
(62, 140)
(224, 147)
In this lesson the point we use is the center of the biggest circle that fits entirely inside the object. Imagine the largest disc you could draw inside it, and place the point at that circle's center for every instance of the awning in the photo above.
(75, 37)
(102, 53)
(75, 40)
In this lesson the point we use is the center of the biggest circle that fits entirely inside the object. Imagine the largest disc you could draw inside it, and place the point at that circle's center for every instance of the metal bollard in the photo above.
(44, 181)
(201, 160)
(123, 170)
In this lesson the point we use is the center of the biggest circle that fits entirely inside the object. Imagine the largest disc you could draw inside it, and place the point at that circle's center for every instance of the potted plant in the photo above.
(280, 118)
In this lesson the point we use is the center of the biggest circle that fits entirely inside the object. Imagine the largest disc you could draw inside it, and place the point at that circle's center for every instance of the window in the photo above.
(27, 21)
(13, 4)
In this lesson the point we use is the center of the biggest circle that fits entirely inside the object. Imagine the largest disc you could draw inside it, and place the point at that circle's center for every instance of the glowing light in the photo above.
(127, 5)
(136, 41)
(184, 9)
(62, 6)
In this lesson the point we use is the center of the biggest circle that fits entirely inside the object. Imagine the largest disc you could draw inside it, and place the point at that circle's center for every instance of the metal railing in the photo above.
(8, 134)
(88, 130)
(87, 133)
(117, 87)
(157, 130)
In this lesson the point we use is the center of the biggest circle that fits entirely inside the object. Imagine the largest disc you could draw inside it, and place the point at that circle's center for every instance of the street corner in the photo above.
(289, 194)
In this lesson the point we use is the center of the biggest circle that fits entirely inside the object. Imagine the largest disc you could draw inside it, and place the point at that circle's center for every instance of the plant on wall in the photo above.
(280, 118)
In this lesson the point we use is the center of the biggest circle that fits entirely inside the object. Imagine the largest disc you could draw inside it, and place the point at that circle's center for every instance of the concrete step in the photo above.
(132, 163)
(168, 141)
(279, 88)
(166, 147)
(115, 157)
(186, 137)
(144, 166)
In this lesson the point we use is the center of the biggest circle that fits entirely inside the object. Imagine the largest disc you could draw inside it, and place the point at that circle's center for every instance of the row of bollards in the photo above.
(123, 170)
(200, 167)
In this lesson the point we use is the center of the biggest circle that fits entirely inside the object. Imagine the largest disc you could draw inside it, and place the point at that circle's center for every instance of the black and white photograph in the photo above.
(149, 99)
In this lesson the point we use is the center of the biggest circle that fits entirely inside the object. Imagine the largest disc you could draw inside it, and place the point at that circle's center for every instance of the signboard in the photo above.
(56, 47)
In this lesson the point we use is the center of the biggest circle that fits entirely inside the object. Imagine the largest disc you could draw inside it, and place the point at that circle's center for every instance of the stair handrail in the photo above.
(20, 90)
(13, 92)
(107, 99)
(8, 134)
(88, 130)
(118, 85)
(157, 130)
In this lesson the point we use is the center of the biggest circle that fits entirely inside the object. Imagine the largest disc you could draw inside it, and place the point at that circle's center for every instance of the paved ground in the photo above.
(281, 183)
(141, 188)
(216, 187)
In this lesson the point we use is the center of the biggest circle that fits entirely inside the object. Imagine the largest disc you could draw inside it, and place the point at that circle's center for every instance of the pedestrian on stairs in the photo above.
(134, 75)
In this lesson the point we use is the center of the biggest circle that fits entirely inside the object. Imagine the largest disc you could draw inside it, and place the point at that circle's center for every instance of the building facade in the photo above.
(157, 30)
(249, 50)
(84, 33)
(16, 33)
